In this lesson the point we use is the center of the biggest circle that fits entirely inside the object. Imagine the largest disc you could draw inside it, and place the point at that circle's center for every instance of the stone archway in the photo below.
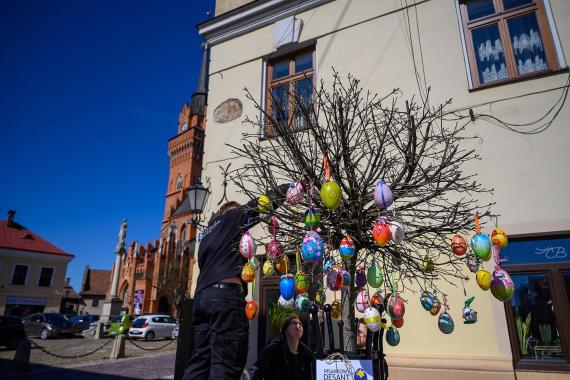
(124, 293)
(163, 306)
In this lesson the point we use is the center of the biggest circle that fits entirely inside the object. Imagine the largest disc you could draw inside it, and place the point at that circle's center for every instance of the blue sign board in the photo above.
(537, 251)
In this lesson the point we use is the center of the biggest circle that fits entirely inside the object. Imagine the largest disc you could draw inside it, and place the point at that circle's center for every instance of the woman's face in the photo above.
(361, 337)
(294, 329)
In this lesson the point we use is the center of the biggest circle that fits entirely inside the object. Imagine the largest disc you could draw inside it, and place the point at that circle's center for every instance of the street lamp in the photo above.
(197, 196)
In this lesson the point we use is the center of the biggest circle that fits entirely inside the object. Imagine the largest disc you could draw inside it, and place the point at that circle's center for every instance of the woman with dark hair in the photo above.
(286, 358)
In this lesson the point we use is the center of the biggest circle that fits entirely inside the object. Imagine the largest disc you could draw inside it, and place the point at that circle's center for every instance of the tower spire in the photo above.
(200, 96)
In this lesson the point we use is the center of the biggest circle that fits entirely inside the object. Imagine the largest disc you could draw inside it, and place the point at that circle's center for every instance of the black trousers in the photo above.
(221, 332)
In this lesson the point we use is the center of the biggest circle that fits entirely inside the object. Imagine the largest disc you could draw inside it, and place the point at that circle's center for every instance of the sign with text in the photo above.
(537, 251)
(341, 370)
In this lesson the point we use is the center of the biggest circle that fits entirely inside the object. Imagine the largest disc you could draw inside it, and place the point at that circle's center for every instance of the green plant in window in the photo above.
(523, 329)
(277, 315)
(545, 334)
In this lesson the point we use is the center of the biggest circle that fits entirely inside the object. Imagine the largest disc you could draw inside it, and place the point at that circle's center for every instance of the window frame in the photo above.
(554, 274)
(501, 17)
(290, 80)
(50, 280)
(14, 272)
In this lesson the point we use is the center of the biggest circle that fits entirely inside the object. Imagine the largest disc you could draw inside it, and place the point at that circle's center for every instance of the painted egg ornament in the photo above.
(286, 304)
(295, 193)
(436, 307)
(374, 276)
(247, 246)
(392, 336)
(483, 278)
(445, 323)
(287, 287)
(274, 250)
(268, 269)
(362, 301)
(396, 306)
(312, 219)
(331, 195)
(381, 233)
(481, 246)
(397, 231)
(334, 279)
(383, 195)
(347, 249)
(360, 280)
(264, 204)
(336, 310)
(302, 303)
(248, 272)
(372, 319)
(313, 247)
(458, 245)
(346, 280)
(399, 323)
(327, 265)
(502, 285)
(427, 264)
(499, 238)
(376, 299)
(469, 315)
(251, 310)
(320, 297)
(472, 263)
(282, 264)
(426, 299)
(301, 283)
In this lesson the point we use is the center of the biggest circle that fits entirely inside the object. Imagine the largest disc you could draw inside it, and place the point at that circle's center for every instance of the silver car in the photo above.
(149, 327)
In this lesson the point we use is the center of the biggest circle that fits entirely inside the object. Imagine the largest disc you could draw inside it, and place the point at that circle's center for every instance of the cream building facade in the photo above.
(450, 45)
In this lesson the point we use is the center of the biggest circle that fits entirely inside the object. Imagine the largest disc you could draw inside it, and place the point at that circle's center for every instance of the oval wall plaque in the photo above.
(227, 111)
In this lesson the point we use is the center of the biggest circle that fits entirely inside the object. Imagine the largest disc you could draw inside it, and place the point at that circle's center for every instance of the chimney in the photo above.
(67, 281)
(11, 214)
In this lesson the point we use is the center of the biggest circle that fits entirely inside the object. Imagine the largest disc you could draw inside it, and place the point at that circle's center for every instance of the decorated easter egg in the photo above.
(427, 264)
(362, 301)
(301, 283)
(247, 246)
(376, 299)
(392, 336)
(336, 310)
(381, 233)
(286, 304)
(294, 193)
(313, 247)
(458, 245)
(251, 310)
(347, 249)
(436, 307)
(481, 246)
(483, 277)
(334, 279)
(346, 280)
(372, 319)
(268, 269)
(399, 323)
(499, 238)
(374, 276)
(331, 195)
(327, 265)
(383, 195)
(397, 231)
(445, 323)
(320, 297)
(264, 204)
(282, 264)
(502, 286)
(287, 286)
(248, 272)
(274, 250)
(396, 306)
(312, 219)
(426, 299)
(302, 303)
(360, 280)
(473, 263)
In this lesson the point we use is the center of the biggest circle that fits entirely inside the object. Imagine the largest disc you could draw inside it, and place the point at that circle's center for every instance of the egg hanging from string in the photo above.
(362, 301)
(312, 219)
(436, 306)
(295, 193)
(383, 195)
(320, 297)
(458, 245)
(396, 306)
(499, 238)
(427, 264)
(336, 310)
(268, 269)
(247, 246)
(287, 286)
(264, 204)
(372, 319)
(282, 264)
(426, 300)
(374, 276)
(481, 246)
(397, 231)
(251, 310)
(301, 283)
(392, 336)
(248, 272)
(445, 323)
(302, 303)
(472, 263)
(360, 278)
(347, 249)
(469, 315)
(274, 250)
(399, 323)
(334, 279)
(313, 247)
(331, 195)
(483, 278)
(502, 285)
(381, 233)
(346, 280)
(286, 304)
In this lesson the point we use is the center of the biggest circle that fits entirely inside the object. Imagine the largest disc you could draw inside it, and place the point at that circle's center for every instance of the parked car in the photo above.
(174, 334)
(46, 325)
(120, 325)
(84, 322)
(152, 326)
(12, 331)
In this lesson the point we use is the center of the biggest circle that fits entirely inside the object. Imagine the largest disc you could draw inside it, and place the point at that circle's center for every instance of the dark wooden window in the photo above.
(46, 275)
(537, 315)
(507, 40)
(20, 275)
(288, 77)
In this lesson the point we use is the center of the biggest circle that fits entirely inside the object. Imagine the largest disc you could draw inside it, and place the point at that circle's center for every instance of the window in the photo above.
(538, 311)
(20, 275)
(290, 77)
(95, 302)
(507, 39)
(179, 182)
(46, 275)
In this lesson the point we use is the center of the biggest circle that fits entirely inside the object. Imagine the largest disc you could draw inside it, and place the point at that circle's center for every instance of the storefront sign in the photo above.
(340, 370)
(537, 251)
(25, 301)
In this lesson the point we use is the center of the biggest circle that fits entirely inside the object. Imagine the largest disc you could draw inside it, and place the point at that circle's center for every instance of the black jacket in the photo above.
(276, 362)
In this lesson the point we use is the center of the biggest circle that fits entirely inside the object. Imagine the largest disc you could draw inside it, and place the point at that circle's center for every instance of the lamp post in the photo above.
(197, 196)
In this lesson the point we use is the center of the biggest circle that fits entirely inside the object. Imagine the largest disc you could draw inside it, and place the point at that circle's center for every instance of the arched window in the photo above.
(182, 233)
(126, 295)
(179, 182)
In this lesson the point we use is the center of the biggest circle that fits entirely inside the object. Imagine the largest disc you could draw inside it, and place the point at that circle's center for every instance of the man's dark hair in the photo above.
(228, 206)
(287, 322)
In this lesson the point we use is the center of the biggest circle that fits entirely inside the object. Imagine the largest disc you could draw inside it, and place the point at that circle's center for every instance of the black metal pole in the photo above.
(314, 325)
(185, 344)
(328, 318)
(341, 335)
(383, 365)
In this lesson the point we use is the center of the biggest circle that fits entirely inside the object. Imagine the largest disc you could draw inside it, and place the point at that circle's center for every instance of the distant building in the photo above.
(70, 300)
(94, 289)
(32, 271)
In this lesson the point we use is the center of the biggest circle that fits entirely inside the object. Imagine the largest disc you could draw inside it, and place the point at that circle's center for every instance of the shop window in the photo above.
(20, 275)
(507, 40)
(290, 90)
(537, 314)
(46, 275)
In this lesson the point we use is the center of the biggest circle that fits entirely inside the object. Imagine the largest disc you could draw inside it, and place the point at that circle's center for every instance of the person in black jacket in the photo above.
(286, 358)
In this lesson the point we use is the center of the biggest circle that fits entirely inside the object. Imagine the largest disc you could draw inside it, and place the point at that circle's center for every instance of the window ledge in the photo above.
(543, 366)
(521, 79)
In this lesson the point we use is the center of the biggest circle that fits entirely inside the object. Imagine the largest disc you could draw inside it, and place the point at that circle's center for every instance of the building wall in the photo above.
(224, 6)
(369, 39)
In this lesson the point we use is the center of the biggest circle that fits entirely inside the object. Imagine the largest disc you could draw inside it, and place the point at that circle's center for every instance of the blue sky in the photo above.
(90, 95)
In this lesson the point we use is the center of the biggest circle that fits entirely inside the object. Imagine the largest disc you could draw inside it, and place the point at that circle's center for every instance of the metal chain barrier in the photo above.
(43, 349)
(149, 349)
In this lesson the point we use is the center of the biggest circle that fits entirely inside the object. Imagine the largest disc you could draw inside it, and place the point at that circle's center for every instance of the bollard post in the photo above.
(22, 355)
(185, 344)
(118, 347)
(99, 330)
